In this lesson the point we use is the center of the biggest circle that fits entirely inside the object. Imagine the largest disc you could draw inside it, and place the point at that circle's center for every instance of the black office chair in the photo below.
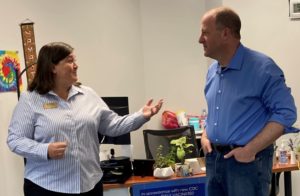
(154, 138)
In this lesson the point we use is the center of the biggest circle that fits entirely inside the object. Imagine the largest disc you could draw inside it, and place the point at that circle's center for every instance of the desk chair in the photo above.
(154, 138)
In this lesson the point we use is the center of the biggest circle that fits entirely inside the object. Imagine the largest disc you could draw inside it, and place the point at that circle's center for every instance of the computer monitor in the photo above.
(121, 107)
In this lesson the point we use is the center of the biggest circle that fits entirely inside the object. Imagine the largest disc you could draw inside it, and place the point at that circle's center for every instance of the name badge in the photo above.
(50, 105)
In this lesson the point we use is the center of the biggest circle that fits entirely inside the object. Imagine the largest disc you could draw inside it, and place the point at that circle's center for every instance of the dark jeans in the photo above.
(228, 177)
(31, 189)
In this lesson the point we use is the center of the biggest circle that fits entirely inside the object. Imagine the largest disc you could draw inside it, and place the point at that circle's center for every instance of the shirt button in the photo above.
(217, 140)
(217, 107)
(215, 124)
(219, 91)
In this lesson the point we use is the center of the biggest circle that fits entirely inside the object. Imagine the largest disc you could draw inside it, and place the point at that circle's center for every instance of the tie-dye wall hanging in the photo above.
(9, 61)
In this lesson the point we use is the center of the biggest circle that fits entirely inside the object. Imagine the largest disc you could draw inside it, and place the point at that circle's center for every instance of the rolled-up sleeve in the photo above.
(278, 99)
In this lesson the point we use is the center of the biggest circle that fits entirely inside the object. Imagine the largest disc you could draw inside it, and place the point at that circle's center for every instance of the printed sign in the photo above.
(177, 187)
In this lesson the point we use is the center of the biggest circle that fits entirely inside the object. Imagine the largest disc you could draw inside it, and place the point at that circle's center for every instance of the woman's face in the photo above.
(66, 71)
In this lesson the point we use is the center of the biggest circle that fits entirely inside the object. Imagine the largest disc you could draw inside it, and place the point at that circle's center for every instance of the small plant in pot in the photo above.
(181, 148)
(163, 165)
(294, 144)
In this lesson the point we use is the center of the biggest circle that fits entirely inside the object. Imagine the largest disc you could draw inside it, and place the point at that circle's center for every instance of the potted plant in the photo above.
(291, 144)
(181, 148)
(163, 165)
(294, 145)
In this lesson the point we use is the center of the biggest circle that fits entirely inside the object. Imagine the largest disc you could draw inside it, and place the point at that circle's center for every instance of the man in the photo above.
(249, 107)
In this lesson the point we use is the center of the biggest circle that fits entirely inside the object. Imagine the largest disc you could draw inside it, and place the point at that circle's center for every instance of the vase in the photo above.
(293, 157)
(165, 172)
(182, 170)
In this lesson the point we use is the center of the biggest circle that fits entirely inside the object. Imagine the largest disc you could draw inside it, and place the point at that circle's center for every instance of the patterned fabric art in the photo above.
(9, 61)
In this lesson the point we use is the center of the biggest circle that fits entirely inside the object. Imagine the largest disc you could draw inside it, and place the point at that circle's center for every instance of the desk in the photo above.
(138, 179)
(286, 169)
(277, 170)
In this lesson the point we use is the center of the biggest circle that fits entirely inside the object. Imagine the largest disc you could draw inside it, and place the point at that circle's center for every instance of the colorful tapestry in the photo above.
(9, 61)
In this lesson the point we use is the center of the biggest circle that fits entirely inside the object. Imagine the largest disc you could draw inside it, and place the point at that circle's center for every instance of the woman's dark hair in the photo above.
(49, 56)
(226, 17)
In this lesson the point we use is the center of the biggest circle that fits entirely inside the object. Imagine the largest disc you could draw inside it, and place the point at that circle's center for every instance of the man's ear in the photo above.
(226, 32)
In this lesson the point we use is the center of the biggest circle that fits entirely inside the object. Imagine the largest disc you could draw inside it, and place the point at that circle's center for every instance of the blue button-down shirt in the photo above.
(245, 96)
(41, 119)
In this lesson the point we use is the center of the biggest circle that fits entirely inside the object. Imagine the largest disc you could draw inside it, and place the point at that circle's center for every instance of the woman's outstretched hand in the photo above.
(150, 110)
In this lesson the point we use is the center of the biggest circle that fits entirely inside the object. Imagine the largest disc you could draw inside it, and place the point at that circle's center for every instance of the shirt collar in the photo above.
(236, 61)
(74, 90)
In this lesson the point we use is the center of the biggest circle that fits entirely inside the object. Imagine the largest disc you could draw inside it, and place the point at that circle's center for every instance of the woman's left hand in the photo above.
(150, 110)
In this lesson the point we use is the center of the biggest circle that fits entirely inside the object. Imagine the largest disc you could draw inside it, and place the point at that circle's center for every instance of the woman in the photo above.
(55, 126)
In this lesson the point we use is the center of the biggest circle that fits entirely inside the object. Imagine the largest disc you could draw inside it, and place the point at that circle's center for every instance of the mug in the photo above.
(182, 170)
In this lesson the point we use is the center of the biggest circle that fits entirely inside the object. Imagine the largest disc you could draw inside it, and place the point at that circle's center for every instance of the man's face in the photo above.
(210, 37)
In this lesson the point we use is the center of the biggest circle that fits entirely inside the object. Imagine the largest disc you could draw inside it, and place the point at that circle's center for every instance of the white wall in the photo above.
(141, 49)
(175, 68)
